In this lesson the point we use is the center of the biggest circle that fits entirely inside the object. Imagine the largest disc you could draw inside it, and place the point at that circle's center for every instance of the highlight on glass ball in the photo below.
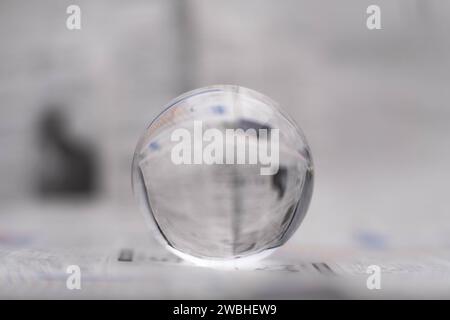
(223, 176)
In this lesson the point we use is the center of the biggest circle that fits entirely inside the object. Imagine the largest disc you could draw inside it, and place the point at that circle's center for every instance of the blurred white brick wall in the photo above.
(367, 100)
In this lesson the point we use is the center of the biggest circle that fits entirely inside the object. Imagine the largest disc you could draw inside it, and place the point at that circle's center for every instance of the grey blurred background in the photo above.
(373, 104)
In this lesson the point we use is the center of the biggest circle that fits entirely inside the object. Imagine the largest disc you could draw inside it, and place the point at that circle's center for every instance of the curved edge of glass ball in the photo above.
(139, 190)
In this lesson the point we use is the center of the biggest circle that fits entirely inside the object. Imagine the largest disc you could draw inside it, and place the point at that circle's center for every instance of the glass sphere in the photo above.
(223, 176)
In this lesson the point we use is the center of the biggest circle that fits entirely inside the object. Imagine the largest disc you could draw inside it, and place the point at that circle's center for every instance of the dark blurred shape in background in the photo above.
(67, 165)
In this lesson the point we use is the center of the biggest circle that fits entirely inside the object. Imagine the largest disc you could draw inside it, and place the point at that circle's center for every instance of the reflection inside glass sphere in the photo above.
(223, 176)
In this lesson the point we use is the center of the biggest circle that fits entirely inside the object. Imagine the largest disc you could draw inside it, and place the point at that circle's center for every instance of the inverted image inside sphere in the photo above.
(236, 206)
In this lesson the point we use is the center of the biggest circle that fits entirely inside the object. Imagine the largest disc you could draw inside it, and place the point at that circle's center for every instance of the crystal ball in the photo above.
(223, 176)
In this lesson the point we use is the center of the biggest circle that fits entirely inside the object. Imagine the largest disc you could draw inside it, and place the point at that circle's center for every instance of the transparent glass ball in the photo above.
(223, 176)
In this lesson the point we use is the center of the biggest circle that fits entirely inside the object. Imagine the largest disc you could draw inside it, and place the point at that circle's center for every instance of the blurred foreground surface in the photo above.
(118, 259)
